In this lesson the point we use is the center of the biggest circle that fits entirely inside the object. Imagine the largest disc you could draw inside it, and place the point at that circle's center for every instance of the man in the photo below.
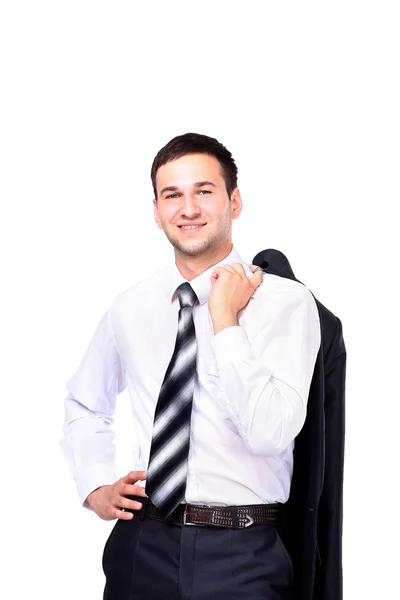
(218, 358)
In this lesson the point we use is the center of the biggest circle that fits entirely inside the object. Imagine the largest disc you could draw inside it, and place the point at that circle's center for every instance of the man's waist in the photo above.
(233, 517)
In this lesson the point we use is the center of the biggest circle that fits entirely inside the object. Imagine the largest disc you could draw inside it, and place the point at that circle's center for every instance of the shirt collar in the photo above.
(202, 283)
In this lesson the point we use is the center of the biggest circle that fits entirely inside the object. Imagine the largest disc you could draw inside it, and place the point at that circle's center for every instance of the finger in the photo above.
(119, 509)
(255, 268)
(238, 268)
(134, 476)
(215, 274)
(219, 270)
(133, 490)
(122, 514)
(256, 279)
(124, 503)
(230, 268)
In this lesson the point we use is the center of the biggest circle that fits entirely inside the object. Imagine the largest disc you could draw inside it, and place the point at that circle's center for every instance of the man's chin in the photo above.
(190, 247)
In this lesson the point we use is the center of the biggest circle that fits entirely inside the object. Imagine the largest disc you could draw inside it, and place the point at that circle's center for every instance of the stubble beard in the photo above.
(200, 246)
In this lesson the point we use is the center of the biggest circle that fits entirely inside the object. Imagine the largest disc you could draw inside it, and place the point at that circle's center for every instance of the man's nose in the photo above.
(190, 204)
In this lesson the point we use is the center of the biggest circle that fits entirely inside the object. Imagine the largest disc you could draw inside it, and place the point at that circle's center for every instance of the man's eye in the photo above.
(201, 192)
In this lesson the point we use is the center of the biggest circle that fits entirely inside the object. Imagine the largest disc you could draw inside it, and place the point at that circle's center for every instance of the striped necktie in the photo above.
(167, 470)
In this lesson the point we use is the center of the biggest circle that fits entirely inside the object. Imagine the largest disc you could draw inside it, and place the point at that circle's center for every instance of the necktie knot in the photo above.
(187, 295)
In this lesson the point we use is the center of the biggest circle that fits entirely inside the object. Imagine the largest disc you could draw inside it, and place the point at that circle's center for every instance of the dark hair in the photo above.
(196, 143)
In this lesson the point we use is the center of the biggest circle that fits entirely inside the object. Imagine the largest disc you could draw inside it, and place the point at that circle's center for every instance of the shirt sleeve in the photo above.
(265, 374)
(88, 440)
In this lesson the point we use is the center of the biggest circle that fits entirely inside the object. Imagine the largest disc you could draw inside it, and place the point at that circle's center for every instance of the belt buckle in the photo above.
(249, 520)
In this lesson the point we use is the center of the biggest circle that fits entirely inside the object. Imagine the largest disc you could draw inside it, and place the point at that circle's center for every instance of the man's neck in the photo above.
(193, 266)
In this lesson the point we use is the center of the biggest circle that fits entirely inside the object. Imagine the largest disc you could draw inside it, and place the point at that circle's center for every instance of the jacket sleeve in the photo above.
(328, 583)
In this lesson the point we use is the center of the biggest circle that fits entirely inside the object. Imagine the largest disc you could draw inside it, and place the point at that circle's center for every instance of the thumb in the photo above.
(254, 268)
(257, 277)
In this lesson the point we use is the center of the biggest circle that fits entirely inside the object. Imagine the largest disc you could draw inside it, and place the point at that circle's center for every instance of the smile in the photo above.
(190, 227)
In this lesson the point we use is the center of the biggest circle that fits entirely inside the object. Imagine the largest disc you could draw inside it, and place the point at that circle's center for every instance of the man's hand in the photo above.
(107, 500)
(231, 291)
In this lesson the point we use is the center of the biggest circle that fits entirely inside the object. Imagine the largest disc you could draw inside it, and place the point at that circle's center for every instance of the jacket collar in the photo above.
(274, 261)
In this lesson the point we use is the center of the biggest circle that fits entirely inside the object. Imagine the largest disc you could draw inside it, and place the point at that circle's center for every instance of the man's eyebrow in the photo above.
(197, 184)
(169, 188)
(202, 183)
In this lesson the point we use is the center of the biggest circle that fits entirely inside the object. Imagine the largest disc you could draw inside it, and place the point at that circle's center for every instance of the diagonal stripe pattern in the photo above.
(167, 470)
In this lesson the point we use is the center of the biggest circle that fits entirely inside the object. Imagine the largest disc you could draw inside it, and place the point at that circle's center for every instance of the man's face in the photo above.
(196, 195)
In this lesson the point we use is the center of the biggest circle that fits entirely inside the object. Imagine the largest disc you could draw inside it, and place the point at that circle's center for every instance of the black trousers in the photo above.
(148, 559)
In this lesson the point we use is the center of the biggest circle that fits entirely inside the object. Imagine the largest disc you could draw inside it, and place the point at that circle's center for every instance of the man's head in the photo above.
(196, 143)
(194, 180)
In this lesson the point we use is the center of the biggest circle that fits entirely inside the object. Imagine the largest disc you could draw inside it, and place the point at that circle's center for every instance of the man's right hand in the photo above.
(108, 500)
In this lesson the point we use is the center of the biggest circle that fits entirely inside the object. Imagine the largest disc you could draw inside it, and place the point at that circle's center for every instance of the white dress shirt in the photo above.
(250, 393)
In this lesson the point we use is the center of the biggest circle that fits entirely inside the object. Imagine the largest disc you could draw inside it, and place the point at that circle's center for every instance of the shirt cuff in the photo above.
(93, 477)
(231, 345)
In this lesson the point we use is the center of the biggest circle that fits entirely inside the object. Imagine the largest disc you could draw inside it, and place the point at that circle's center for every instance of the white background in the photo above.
(306, 97)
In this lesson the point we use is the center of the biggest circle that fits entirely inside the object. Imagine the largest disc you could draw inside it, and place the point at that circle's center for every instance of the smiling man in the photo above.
(218, 358)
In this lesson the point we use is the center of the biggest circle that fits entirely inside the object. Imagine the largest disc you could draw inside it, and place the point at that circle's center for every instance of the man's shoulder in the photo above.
(275, 292)
(277, 284)
(283, 296)
(142, 291)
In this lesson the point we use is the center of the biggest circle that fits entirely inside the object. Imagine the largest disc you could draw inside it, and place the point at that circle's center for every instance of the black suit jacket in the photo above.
(312, 529)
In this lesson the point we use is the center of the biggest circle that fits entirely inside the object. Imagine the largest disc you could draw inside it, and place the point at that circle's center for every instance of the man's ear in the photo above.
(236, 203)
(156, 215)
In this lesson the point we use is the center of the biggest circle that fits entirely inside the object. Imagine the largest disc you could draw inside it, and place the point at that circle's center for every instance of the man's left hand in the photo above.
(231, 290)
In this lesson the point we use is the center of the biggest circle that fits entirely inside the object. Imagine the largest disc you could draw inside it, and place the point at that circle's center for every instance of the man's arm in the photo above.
(88, 441)
(265, 380)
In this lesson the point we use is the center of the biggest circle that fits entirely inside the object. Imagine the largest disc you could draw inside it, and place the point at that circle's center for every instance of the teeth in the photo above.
(191, 226)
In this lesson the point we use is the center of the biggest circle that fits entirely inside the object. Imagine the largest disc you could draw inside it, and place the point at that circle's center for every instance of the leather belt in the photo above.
(233, 517)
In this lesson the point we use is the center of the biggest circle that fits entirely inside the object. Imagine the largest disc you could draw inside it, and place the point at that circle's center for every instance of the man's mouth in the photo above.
(191, 227)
